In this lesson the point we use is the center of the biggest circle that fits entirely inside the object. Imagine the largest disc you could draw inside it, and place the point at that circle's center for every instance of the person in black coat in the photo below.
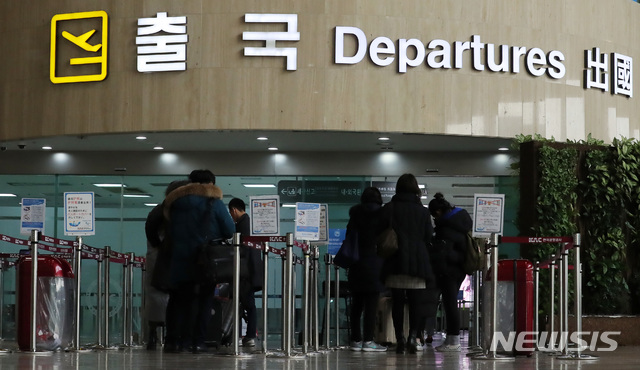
(364, 275)
(448, 253)
(253, 284)
(408, 271)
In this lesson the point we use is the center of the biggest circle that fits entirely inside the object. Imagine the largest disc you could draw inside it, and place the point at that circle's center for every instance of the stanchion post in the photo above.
(314, 290)
(337, 306)
(99, 300)
(552, 283)
(494, 291)
(577, 266)
(328, 260)
(536, 301)
(236, 293)
(107, 277)
(35, 238)
(283, 301)
(125, 300)
(265, 296)
(132, 257)
(564, 335)
(77, 258)
(560, 262)
(2, 264)
(475, 334)
(289, 293)
(143, 299)
(305, 299)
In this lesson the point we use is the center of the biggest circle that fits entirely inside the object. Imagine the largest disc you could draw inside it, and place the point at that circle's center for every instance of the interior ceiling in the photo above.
(290, 141)
(42, 186)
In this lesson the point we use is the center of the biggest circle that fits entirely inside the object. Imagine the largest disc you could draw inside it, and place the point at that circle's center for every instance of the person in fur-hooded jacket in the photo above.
(195, 214)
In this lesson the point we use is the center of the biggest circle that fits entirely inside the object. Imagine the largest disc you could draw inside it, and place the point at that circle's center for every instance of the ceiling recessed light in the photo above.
(7, 195)
(158, 147)
(384, 138)
(151, 204)
(262, 138)
(289, 205)
(273, 148)
(503, 149)
(136, 195)
(110, 185)
(46, 147)
(258, 185)
(141, 137)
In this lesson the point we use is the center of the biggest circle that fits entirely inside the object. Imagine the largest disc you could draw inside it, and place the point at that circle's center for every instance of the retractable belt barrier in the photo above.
(309, 297)
(76, 251)
(561, 259)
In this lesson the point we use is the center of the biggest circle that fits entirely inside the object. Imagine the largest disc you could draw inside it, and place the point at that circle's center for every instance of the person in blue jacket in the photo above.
(448, 252)
(195, 214)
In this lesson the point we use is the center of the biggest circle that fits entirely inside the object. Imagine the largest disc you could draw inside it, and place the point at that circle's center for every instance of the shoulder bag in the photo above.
(387, 241)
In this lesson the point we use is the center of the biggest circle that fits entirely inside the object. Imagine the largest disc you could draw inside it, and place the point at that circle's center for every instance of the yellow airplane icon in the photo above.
(81, 40)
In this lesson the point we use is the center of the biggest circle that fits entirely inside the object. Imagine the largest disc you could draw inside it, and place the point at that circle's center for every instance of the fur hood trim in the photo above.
(203, 190)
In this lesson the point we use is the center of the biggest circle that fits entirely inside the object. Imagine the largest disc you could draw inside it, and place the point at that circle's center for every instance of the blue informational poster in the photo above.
(307, 221)
(336, 236)
(32, 215)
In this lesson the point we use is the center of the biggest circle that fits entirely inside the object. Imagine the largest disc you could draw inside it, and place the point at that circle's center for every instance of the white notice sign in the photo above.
(79, 216)
(488, 214)
(323, 236)
(307, 221)
(32, 215)
(264, 214)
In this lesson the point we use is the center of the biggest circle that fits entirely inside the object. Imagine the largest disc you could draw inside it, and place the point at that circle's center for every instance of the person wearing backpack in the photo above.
(448, 253)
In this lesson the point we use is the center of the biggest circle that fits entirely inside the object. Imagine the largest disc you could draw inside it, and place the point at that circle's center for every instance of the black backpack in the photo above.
(473, 256)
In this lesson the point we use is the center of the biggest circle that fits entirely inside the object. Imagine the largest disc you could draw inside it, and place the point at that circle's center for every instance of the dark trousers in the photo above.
(414, 298)
(367, 303)
(450, 286)
(248, 302)
(188, 314)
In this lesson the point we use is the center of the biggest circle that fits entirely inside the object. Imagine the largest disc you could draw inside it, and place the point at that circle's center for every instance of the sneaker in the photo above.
(356, 346)
(372, 346)
(448, 348)
(248, 342)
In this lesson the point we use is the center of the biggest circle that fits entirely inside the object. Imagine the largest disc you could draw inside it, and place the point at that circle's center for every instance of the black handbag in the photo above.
(349, 252)
(214, 263)
(387, 241)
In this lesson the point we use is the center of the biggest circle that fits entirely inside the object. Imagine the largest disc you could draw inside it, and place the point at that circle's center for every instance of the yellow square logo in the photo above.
(78, 47)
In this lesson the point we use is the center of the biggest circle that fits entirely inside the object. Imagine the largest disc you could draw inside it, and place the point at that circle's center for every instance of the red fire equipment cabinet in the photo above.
(54, 309)
(515, 304)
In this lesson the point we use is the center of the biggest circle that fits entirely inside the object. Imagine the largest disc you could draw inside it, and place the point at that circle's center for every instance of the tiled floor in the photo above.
(622, 358)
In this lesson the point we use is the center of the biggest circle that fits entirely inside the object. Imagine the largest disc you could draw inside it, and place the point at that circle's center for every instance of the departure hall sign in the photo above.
(162, 42)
